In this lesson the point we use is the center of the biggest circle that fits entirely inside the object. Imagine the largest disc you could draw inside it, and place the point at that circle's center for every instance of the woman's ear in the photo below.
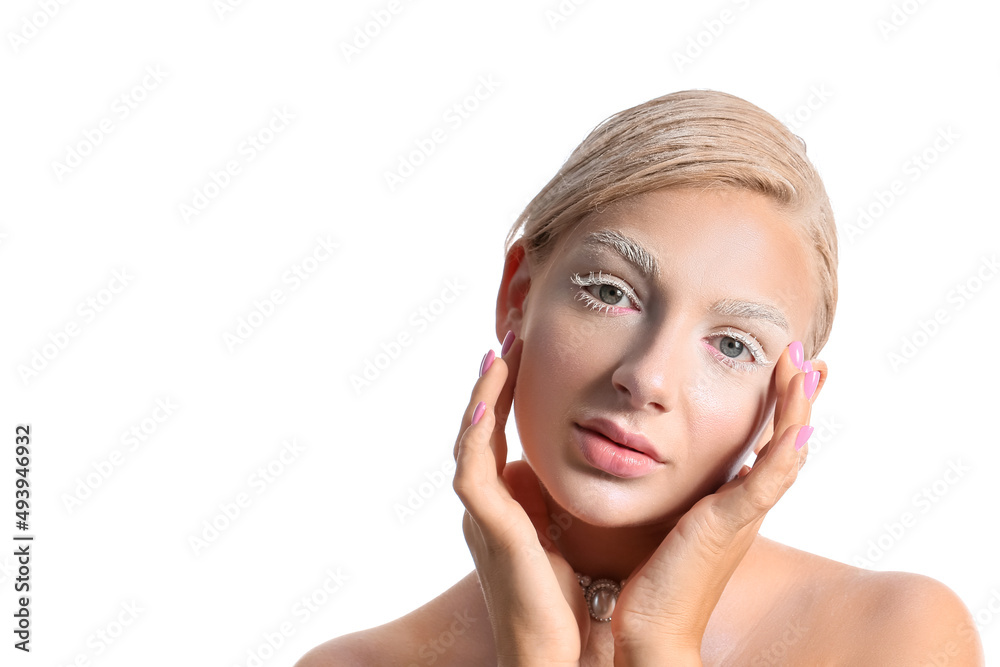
(513, 292)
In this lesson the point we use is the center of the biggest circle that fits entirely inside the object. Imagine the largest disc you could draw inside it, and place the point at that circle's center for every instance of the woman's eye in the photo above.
(605, 293)
(611, 295)
(733, 348)
(732, 345)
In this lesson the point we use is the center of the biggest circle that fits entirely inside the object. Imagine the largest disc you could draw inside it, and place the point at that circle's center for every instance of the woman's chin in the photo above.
(604, 504)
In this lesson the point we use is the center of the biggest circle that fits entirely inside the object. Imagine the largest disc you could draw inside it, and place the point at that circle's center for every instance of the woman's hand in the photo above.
(663, 610)
(532, 594)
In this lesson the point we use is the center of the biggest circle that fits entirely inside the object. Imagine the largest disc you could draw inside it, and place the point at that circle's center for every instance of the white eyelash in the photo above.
(748, 340)
(599, 280)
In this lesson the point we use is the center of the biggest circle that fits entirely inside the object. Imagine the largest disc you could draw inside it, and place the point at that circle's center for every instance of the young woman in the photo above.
(660, 315)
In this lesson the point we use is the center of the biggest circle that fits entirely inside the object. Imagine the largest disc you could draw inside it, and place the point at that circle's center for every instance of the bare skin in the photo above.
(783, 606)
(647, 354)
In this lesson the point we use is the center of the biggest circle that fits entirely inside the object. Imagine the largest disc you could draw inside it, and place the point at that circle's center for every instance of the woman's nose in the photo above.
(652, 372)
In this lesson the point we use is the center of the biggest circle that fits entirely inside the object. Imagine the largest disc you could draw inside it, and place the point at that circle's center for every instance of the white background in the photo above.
(883, 433)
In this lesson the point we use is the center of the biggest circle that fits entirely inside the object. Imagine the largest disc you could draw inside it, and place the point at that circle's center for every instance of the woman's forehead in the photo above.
(635, 226)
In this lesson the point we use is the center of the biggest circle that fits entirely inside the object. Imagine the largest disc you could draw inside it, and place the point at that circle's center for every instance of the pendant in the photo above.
(601, 596)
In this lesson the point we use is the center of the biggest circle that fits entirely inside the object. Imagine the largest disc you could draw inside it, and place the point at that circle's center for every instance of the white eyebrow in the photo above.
(751, 310)
(626, 247)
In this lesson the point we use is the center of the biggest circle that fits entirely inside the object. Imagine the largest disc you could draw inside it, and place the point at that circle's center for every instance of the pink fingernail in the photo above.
(807, 367)
(487, 361)
(481, 408)
(812, 381)
(508, 340)
(801, 438)
(795, 351)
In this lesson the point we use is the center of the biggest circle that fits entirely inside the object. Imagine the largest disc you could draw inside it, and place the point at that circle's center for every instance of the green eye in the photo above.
(611, 292)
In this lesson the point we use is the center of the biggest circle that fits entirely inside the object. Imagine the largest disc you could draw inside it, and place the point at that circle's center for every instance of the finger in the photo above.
(797, 405)
(794, 404)
(487, 389)
(785, 370)
(477, 463)
(820, 366)
(760, 488)
(512, 359)
(512, 362)
(476, 482)
(498, 517)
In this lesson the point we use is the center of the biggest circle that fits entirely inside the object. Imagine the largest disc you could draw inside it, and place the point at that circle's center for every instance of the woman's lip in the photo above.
(611, 457)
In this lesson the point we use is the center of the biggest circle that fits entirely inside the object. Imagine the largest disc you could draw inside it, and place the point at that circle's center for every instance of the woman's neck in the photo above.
(602, 552)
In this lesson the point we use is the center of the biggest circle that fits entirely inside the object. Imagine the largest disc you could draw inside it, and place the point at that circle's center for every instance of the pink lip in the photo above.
(609, 456)
(620, 436)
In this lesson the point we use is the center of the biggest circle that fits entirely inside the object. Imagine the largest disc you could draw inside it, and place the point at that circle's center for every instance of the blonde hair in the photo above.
(690, 138)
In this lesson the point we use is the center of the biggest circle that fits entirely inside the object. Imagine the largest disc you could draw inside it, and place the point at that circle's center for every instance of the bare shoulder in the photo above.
(867, 617)
(452, 629)
(910, 618)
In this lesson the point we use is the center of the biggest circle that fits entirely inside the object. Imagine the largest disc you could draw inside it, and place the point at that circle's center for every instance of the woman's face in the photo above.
(634, 319)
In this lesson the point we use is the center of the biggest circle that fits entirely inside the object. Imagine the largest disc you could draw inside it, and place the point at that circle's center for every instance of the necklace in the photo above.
(600, 595)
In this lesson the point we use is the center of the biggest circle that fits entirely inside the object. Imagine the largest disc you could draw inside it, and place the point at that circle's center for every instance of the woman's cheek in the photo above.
(553, 360)
(532, 402)
(566, 341)
(725, 419)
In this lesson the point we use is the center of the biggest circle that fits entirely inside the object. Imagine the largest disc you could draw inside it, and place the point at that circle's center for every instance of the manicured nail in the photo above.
(812, 381)
(800, 440)
(481, 408)
(795, 350)
(508, 340)
(487, 361)
(807, 367)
